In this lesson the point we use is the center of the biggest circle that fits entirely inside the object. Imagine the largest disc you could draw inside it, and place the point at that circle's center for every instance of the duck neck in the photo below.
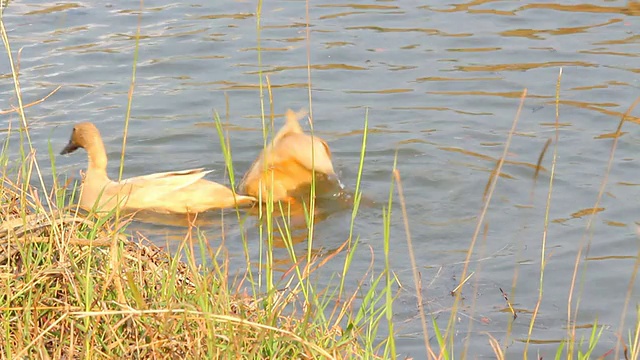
(97, 159)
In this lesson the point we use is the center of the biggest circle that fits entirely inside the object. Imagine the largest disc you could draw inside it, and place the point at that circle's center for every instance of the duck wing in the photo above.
(148, 188)
(310, 152)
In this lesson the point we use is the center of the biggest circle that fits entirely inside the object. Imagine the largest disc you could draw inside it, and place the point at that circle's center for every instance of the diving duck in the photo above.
(287, 164)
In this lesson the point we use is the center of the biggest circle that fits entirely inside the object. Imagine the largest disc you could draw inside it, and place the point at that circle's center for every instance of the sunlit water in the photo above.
(441, 83)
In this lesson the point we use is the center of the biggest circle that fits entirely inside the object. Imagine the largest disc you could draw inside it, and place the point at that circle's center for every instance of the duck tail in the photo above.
(293, 118)
(245, 199)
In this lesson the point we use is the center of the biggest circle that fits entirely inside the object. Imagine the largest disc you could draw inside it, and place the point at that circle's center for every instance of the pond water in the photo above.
(441, 84)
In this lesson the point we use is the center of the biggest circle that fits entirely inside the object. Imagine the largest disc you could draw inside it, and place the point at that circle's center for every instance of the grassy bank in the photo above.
(73, 287)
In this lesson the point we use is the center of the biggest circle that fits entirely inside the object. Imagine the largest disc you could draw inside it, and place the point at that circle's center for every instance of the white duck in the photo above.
(169, 192)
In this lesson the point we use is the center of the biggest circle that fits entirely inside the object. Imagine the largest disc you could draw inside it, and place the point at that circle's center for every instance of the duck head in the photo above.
(86, 135)
(83, 135)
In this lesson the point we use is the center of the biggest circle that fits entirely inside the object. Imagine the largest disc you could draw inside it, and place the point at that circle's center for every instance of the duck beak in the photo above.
(71, 147)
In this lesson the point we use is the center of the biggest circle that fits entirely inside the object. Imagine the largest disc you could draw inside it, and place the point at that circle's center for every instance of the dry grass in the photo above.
(59, 298)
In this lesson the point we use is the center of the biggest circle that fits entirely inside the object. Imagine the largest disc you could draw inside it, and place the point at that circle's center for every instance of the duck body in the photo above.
(168, 192)
(288, 163)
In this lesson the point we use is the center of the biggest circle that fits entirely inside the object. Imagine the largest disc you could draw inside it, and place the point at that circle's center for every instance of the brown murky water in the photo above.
(442, 84)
